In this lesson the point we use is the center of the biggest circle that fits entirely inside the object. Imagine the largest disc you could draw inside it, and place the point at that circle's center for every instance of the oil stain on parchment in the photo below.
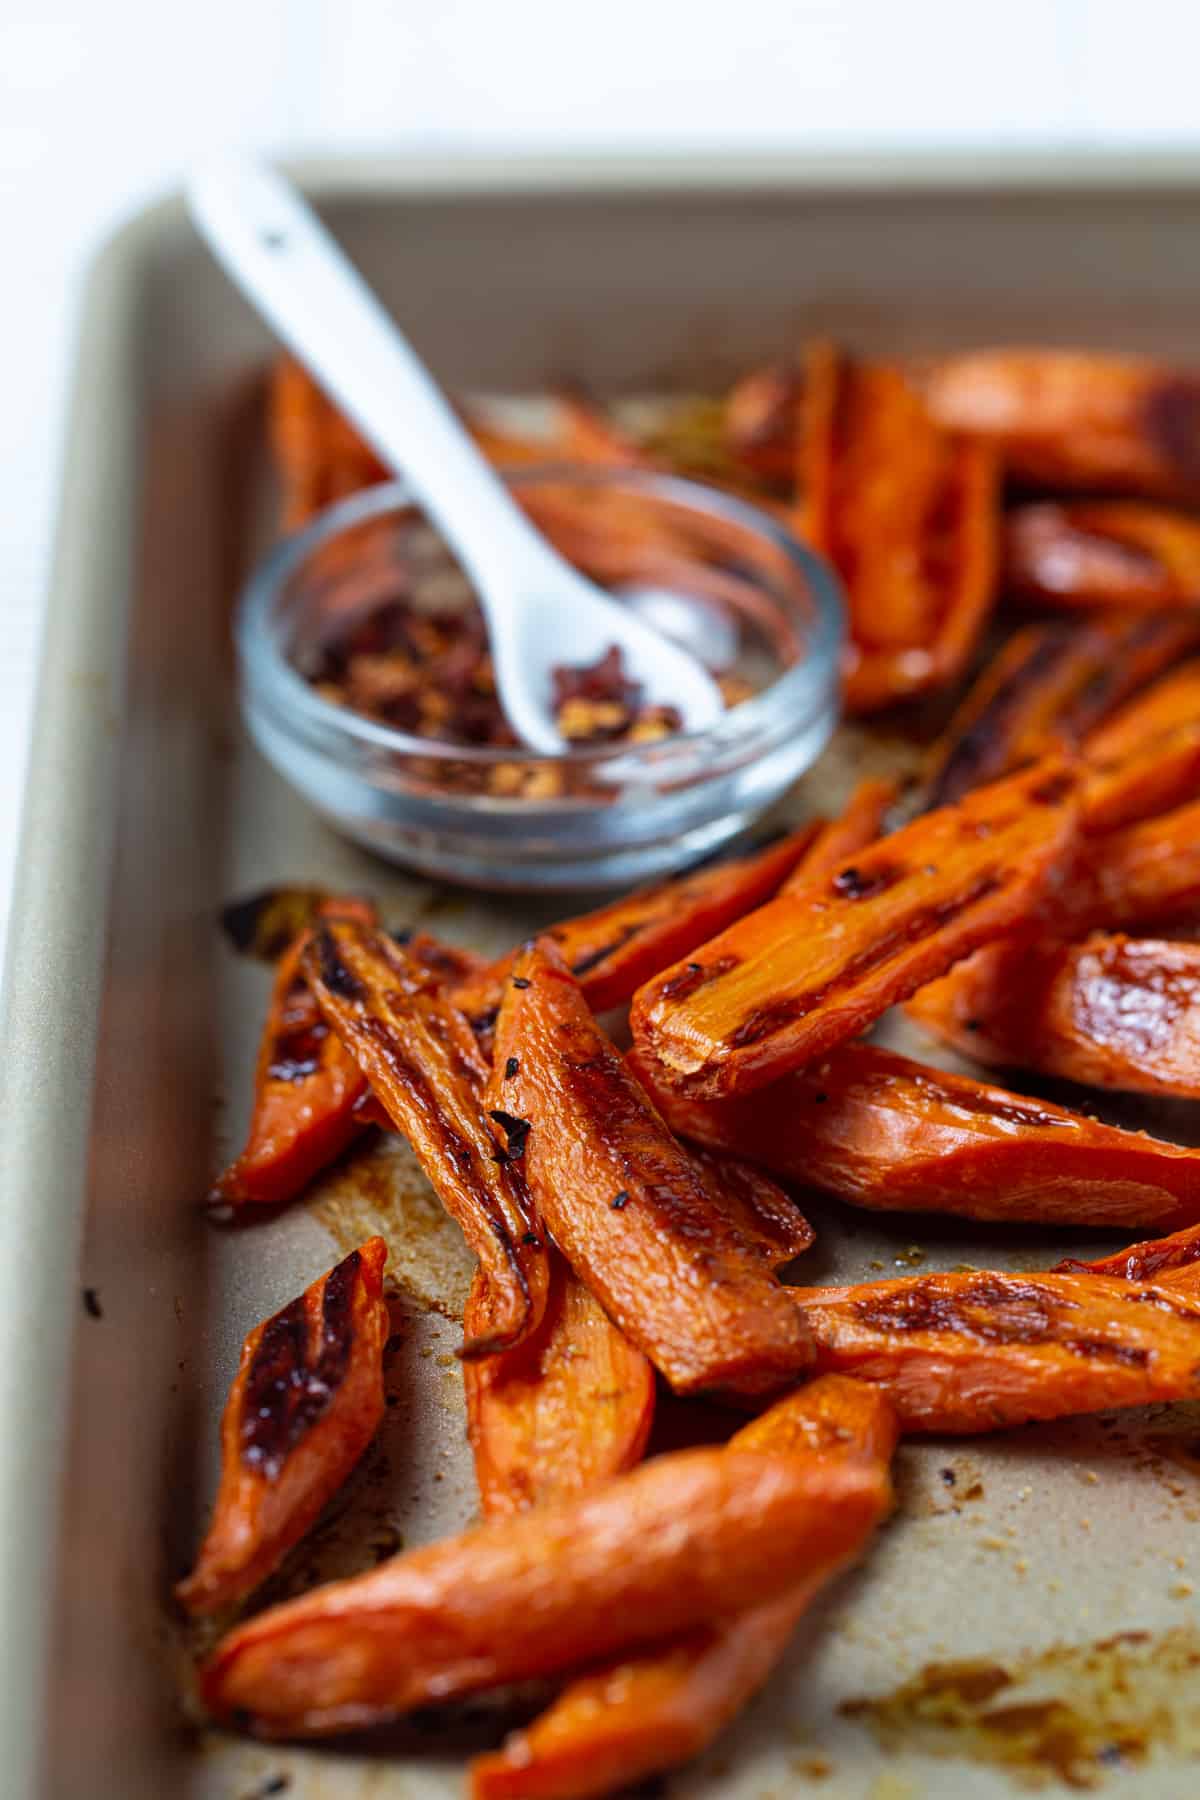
(1070, 1714)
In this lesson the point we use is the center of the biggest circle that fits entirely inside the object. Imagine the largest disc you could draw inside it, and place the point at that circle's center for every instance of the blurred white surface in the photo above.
(102, 102)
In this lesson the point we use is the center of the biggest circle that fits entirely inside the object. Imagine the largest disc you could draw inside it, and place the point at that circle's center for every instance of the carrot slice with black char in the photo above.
(633, 1717)
(424, 1066)
(1111, 1012)
(614, 949)
(862, 822)
(1049, 688)
(307, 1086)
(811, 969)
(985, 1351)
(684, 1539)
(890, 1134)
(1171, 701)
(305, 1403)
(562, 1412)
(684, 1279)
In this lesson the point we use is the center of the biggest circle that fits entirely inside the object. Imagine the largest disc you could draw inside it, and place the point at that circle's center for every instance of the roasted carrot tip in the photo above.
(306, 1402)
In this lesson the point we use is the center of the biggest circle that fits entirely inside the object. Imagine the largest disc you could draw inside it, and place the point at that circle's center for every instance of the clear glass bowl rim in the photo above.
(798, 693)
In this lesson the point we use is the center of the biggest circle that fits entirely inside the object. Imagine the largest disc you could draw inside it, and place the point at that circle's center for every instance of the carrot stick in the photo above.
(1111, 1012)
(562, 1412)
(307, 1087)
(1076, 419)
(1172, 1262)
(305, 1403)
(630, 1718)
(614, 949)
(834, 844)
(1173, 700)
(811, 969)
(1048, 688)
(889, 1134)
(986, 1351)
(679, 1274)
(1102, 553)
(679, 1541)
(1162, 773)
(762, 412)
(421, 1058)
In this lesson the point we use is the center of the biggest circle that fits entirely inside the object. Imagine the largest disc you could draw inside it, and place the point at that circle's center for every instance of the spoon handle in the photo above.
(276, 249)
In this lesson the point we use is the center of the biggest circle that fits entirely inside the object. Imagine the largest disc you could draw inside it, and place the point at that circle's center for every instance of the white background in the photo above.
(103, 102)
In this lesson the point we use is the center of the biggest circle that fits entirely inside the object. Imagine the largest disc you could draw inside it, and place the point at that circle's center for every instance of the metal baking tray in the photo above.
(129, 1027)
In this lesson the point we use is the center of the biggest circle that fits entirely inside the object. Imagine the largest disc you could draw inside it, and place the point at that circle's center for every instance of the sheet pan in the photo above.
(128, 1027)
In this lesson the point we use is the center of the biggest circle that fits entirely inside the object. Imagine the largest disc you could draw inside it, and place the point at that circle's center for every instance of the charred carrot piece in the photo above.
(890, 1134)
(1166, 1261)
(307, 1086)
(305, 1403)
(629, 1719)
(1144, 874)
(1076, 419)
(1161, 775)
(1112, 1012)
(985, 1351)
(423, 1063)
(679, 1541)
(562, 1412)
(813, 968)
(613, 950)
(834, 844)
(319, 456)
(907, 512)
(1102, 553)
(764, 1215)
(1049, 687)
(1172, 701)
(682, 1277)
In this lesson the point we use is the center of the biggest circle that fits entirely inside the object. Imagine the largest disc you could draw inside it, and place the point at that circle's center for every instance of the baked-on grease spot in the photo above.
(1119, 1703)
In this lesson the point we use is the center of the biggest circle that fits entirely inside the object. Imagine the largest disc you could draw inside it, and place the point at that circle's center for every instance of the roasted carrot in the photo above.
(562, 1412)
(319, 456)
(622, 1722)
(1112, 1012)
(613, 950)
(1173, 700)
(762, 412)
(813, 968)
(985, 1351)
(305, 1403)
(907, 512)
(307, 1086)
(890, 1134)
(1047, 689)
(1077, 419)
(682, 1276)
(1166, 1261)
(835, 843)
(765, 1216)
(680, 1541)
(422, 1061)
(1102, 553)
(1162, 774)
(1144, 874)
(585, 433)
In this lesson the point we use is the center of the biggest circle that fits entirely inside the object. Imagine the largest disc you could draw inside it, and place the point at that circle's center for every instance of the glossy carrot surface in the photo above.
(684, 1279)
(305, 1403)
(637, 1715)
(562, 1412)
(985, 1351)
(426, 1070)
(683, 1539)
(861, 823)
(1111, 1012)
(810, 969)
(307, 1087)
(1102, 553)
(890, 1134)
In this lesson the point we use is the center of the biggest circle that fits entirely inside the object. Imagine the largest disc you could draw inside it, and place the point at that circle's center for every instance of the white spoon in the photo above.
(541, 613)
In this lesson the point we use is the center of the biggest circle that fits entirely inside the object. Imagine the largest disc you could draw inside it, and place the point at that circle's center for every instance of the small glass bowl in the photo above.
(601, 815)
